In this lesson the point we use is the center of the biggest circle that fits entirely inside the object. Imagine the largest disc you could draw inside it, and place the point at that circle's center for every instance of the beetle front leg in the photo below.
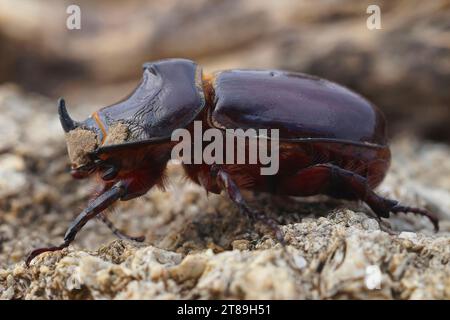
(103, 217)
(94, 208)
(226, 183)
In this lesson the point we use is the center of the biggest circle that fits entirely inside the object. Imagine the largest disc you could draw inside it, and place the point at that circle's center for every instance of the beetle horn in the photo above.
(66, 121)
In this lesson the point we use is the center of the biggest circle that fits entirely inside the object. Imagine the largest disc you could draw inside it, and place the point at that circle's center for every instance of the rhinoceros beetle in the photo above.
(332, 141)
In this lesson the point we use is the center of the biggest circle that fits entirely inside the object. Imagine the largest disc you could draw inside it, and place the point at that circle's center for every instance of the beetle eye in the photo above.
(110, 173)
(109, 170)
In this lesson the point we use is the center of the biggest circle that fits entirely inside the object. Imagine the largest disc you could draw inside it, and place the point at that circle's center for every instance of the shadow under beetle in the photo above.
(332, 141)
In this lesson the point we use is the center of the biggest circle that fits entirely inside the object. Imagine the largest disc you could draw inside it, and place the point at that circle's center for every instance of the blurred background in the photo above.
(404, 67)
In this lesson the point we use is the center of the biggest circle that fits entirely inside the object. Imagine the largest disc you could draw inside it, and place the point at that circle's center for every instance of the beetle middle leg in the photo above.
(103, 217)
(94, 208)
(119, 234)
(340, 183)
(226, 183)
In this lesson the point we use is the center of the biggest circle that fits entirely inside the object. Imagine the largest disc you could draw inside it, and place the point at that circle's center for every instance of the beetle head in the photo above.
(108, 126)
(83, 139)
(99, 145)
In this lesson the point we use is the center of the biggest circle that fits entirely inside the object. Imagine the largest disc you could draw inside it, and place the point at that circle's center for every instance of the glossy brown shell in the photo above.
(300, 106)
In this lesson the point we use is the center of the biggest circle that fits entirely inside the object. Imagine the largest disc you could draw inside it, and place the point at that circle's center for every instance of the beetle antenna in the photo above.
(66, 121)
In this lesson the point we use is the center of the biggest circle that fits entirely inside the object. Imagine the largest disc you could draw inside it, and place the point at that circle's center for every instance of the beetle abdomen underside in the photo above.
(300, 106)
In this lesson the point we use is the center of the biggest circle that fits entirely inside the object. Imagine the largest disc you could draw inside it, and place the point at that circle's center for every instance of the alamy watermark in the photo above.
(228, 146)
(73, 21)
(374, 20)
